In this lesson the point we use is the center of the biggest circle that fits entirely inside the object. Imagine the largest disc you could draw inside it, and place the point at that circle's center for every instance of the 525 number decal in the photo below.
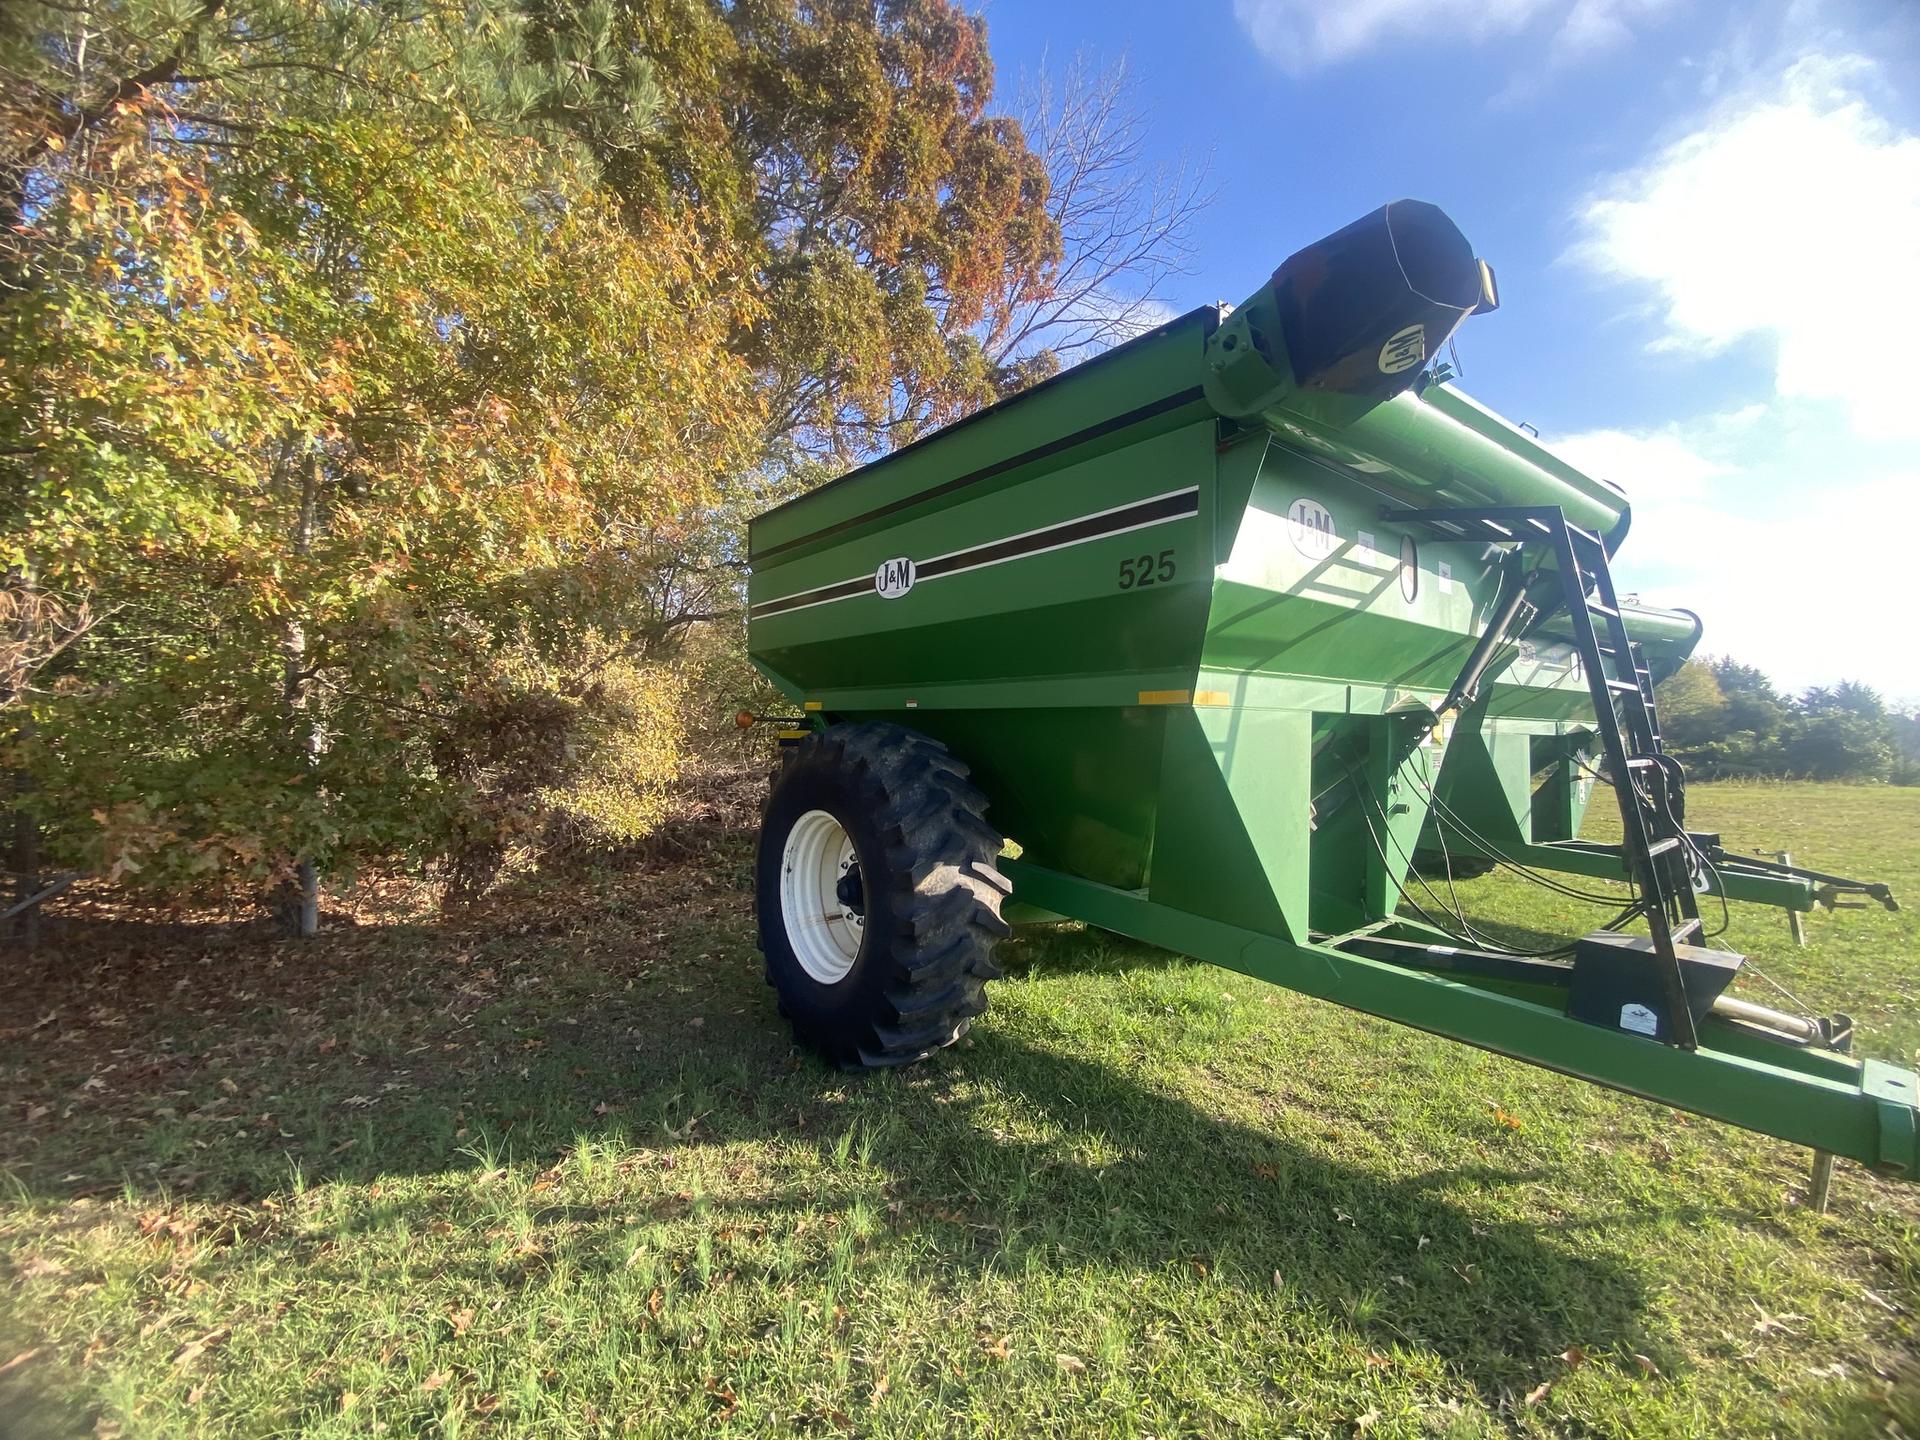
(1147, 570)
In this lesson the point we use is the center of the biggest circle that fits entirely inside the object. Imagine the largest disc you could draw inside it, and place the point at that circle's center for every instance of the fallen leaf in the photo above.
(1278, 1282)
(1539, 1392)
(436, 1380)
(995, 1349)
(1767, 1324)
(728, 1401)
(194, 1349)
(461, 1320)
(1648, 1366)
(1363, 1423)
(1072, 1364)
(1574, 1357)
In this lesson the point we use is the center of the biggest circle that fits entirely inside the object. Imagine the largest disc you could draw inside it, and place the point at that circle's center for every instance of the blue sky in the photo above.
(1706, 223)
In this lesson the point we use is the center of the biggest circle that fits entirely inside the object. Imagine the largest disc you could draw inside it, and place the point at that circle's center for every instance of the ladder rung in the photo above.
(1685, 929)
(1587, 535)
(1629, 686)
(1661, 847)
(1597, 608)
(1642, 762)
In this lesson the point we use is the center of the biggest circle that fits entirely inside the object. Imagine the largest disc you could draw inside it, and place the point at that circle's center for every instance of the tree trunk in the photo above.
(25, 863)
(300, 912)
(24, 849)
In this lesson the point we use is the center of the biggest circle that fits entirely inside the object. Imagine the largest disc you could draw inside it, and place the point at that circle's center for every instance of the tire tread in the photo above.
(946, 890)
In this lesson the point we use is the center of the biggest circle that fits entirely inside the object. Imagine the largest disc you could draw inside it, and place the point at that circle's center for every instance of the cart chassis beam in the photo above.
(1865, 1110)
(1738, 881)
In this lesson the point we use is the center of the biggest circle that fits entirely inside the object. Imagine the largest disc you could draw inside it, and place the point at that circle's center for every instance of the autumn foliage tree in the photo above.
(382, 387)
(352, 418)
(890, 216)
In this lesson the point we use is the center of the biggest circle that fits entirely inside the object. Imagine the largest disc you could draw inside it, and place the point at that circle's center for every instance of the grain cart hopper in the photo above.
(1523, 761)
(1191, 624)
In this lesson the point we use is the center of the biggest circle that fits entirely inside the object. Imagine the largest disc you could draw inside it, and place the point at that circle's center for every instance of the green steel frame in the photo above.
(1864, 1110)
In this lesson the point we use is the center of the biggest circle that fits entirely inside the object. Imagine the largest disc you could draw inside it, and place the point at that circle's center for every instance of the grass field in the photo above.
(554, 1170)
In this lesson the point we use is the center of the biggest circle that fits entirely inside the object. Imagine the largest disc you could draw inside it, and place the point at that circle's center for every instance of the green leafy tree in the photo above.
(354, 424)
(1840, 733)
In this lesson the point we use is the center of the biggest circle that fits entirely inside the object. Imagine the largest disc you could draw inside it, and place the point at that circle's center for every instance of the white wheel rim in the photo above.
(824, 932)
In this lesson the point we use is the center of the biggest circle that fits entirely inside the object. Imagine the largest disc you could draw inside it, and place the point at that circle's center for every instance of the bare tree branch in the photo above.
(1126, 225)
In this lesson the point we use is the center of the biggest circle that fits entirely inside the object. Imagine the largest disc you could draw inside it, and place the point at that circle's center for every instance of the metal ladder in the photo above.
(1646, 781)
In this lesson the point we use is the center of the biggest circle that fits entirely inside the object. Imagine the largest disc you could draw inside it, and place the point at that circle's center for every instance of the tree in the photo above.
(1693, 708)
(344, 411)
(1125, 226)
(1840, 734)
(384, 386)
(881, 208)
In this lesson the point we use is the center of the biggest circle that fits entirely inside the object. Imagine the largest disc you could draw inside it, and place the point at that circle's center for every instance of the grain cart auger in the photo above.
(1190, 623)
(1522, 762)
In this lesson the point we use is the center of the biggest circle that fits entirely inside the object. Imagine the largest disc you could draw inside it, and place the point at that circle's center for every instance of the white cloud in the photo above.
(1132, 317)
(1793, 218)
(1302, 34)
(1661, 461)
(1798, 572)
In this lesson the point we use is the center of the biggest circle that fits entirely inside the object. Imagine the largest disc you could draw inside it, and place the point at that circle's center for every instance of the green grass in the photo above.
(554, 1170)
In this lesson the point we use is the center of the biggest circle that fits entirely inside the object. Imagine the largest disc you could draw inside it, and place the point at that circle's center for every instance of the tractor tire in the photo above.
(878, 895)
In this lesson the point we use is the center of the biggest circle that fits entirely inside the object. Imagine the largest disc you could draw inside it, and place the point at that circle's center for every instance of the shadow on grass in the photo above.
(418, 1050)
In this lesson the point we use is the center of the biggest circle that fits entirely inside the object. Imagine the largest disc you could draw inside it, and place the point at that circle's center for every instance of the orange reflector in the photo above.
(744, 719)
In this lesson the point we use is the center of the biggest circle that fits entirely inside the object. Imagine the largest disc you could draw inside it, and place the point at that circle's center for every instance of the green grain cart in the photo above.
(1196, 625)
